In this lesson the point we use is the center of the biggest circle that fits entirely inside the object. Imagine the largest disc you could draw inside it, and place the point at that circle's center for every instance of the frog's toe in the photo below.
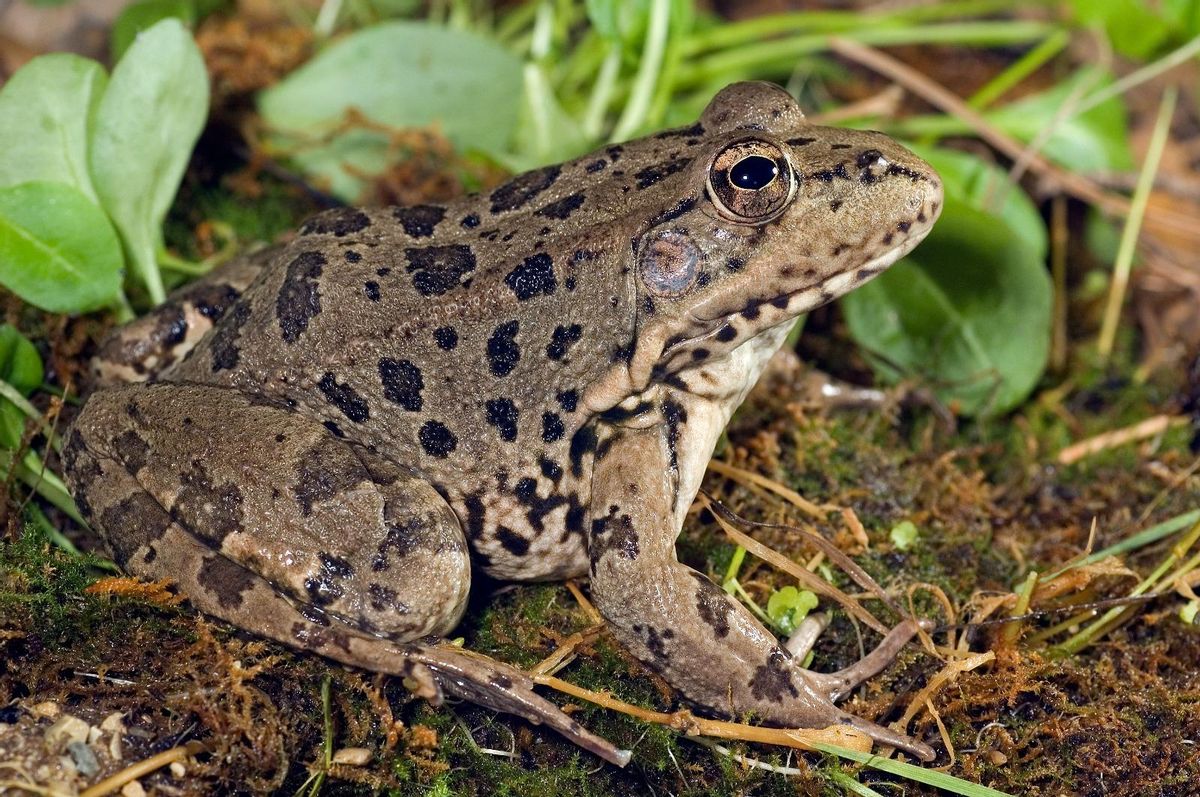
(501, 687)
(836, 685)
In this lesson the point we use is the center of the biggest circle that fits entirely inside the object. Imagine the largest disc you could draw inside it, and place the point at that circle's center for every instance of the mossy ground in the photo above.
(986, 497)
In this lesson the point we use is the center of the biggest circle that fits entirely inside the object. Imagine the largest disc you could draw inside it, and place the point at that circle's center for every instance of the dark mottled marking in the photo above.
(344, 397)
(751, 311)
(419, 220)
(211, 301)
(726, 333)
(446, 338)
(522, 188)
(569, 283)
(384, 599)
(888, 238)
(352, 256)
(552, 427)
(623, 353)
(209, 511)
(501, 681)
(568, 400)
(324, 471)
(383, 271)
(223, 348)
(828, 175)
(334, 429)
(800, 142)
(470, 221)
(713, 605)
(839, 146)
(475, 516)
(511, 541)
(399, 539)
(734, 264)
(504, 415)
(648, 305)
(503, 353)
(533, 277)
(896, 169)
(299, 299)
(132, 523)
(340, 222)
(436, 439)
(773, 680)
(583, 442)
(614, 533)
(562, 339)
(131, 451)
(550, 469)
(904, 226)
(614, 152)
(371, 289)
(703, 279)
(681, 207)
(700, 353)
(835, 205)
(781, 302)
(921, 218)
(324, 587)
(563, 208)
(402, 383)
(656, 643)
(675, 416)
(225, 579)
(660, 171)
(437, 269)
(596, 165)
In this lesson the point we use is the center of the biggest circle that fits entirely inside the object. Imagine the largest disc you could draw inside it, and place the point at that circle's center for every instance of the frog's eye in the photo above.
(751, 181)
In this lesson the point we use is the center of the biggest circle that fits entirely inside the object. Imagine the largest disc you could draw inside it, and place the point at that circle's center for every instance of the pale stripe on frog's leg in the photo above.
(685, 627)
(147, 346)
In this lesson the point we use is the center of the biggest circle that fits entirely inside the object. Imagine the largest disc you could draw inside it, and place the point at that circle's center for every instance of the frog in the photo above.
(322, 442)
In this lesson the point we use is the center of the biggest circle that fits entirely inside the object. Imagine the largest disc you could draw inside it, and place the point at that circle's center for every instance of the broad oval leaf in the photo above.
(400, 75)
(143, 15)
(146, 126)
(57, 248)
(21, 367)
(45, 112)
(969, 311)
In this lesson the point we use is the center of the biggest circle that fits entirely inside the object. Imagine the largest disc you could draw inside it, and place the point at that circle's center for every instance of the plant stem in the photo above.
(634, 114)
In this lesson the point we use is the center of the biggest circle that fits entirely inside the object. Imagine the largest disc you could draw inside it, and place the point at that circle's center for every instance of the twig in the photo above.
(1119, 437)
(144, 767)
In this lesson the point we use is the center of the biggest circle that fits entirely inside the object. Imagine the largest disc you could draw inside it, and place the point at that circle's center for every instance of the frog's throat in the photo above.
(658, 345)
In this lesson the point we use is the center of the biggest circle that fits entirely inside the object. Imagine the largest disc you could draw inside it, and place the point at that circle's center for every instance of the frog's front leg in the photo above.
(684, 626)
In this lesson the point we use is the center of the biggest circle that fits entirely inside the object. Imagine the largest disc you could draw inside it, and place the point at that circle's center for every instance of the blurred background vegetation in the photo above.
(1037, 449)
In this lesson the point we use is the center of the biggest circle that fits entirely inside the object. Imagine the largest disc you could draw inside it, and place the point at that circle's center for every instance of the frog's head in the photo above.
(772, 218)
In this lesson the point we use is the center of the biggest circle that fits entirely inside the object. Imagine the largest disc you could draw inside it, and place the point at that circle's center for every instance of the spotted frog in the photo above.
(330, 436)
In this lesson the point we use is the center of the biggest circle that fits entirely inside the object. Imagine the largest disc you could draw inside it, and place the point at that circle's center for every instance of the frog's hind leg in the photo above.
(147, 346)
(265, 518)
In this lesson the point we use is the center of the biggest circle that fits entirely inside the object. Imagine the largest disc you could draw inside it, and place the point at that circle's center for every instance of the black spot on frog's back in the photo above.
(437, 269)
(136, 521)
(339, 222)
(436, 439)
(503, 353)
(207, 509)
(224, 343)
(131, 450)
(534, 277)
(402, 383)
(299, 298)
(503, 414)
(419, 221)
(773, 681)
(518, 191)
(563, 208)
(344, 397)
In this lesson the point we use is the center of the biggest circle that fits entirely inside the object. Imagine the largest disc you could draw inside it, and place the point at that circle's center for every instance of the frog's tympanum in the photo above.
(328, 437)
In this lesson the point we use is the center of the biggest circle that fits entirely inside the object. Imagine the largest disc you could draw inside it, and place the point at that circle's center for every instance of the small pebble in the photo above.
(49, 709)
(353, 756)
(65, 729)
(133, 789)
(178, 770)
(84, 758)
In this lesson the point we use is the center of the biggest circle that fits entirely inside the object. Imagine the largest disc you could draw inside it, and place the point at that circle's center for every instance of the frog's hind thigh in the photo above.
(250, 506)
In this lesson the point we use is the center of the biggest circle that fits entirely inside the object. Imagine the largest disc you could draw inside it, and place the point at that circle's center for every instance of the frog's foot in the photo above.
(837, 685)
(501, 687)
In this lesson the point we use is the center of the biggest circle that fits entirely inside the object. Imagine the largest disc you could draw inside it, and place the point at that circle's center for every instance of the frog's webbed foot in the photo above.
(501, 687)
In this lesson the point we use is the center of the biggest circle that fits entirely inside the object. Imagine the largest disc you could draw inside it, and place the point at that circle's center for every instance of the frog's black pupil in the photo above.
(753, 172)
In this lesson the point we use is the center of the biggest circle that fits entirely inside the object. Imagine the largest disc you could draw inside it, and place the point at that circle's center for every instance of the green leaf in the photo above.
(969, 310)
(45, 112)
(1094, 141)
(904, 535)
(57, 248)
(787, 607)
(1134, 30)
(21, 367)
(143, 15)
(399, 75)
(146, 126)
